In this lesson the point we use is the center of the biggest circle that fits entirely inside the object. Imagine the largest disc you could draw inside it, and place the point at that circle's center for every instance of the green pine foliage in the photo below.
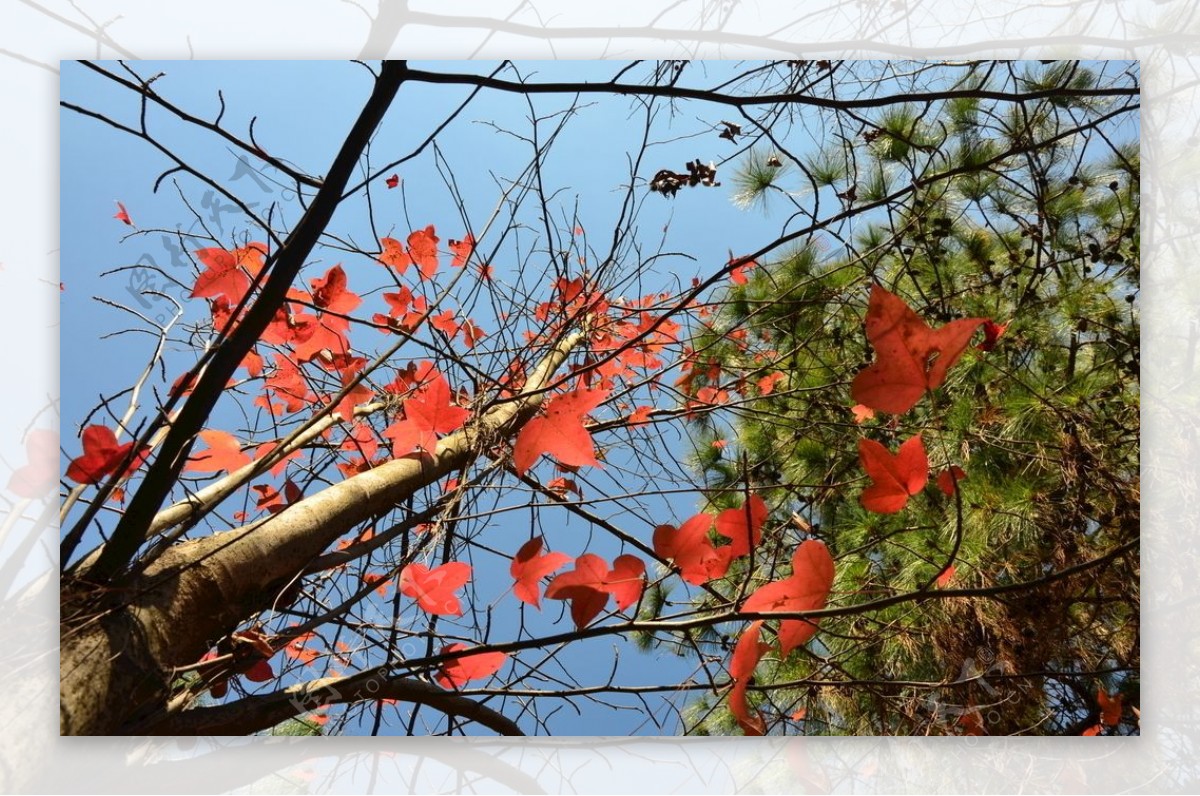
(1040, 232)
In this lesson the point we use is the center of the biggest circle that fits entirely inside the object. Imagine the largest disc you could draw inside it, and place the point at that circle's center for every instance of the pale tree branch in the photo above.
(261, 711)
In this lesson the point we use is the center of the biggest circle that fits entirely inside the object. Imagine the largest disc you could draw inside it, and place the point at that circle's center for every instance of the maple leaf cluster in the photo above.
(691, 548)
(806, 589)
(911, 359)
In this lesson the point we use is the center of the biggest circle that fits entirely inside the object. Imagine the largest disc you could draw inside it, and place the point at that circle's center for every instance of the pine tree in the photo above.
(1039, 233)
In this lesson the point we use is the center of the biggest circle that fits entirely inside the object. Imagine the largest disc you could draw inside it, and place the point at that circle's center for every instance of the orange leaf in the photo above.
(895, 477)
(640, 416)
(102, 456)
(972, 722)
(738, 275)
(223, 453)
(529, 567)
(947, 575)
(991, 334)
(743, 525)
(296, 649)
(589, 585)
(946, 478)
(122, 215)
(862, 413)
(806, 589)
(444, 322)
(380, 581)
(692, 551)
(746, 656)
(471, 333)
(459, 671)
(462, 250)
(766, 385)
(910, 357)
(1110, 707)
(394, 256)
(426, 414)
(433, 589)
(330, 292)
(224, 273)
(560, 432)
(422, 249)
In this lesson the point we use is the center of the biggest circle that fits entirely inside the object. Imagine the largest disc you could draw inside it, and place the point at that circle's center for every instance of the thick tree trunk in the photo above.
(116, 667)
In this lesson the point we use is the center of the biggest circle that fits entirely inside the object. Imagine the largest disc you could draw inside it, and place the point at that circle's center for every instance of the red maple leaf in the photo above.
(462, 250)
(806, 589)
(862, 413)
(738, 275)
(321, 337)
(560, 432)
(946, 478)
(259, 672)
(296, 649)
(766, 385)
(562, 486)
(223, 453)
(102, 456)
(253, 363)
(746, 655)
(422, 250)
(398, 302)
(269, 497)
(330, 292)
(37, 478)
(589, 585)
(287, 384)
(122, 215)
(361, 439)
(392, 181)
(381, 581)
(971, 722)
(227, 273)
(471, 333)
(991, 333)
(528, 568)
(626, 580)
(433, 589)
(1110, 707)
(692, 550)
(458, 672)
(394, 256)
(910, 357)
(426, 414)
(743, 526)
(250, 651)
(895, 477)
(639, 416)
(444, 322)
